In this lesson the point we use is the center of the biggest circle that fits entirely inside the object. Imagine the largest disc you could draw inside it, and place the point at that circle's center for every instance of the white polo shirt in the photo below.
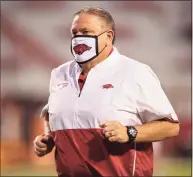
(119, 88)
(136, 96)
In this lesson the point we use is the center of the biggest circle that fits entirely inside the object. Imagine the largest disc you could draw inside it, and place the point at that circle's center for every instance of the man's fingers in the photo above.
(102, 125)
(110, 128)
(107, 134)
(110, 134)
(40, 144)
(45, 138)
(113, 139)
(39, 154)
(114, 131)
(40, 149)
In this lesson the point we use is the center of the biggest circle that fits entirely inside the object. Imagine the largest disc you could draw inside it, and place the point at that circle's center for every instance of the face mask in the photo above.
(85, 48)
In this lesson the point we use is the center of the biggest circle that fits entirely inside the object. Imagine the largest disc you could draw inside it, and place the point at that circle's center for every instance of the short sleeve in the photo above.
(152, 103)
(52, 81)
(45, 109)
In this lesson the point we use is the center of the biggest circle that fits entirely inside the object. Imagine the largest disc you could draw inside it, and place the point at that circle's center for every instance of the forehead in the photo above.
(89, 21)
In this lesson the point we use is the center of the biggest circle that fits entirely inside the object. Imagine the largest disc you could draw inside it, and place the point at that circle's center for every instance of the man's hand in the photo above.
(115, 131)
(43, 144)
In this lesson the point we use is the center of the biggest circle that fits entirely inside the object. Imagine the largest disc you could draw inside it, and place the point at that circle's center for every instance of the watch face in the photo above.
(133, 132)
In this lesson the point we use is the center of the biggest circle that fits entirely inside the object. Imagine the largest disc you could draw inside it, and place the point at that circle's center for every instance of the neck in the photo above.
(102, 56)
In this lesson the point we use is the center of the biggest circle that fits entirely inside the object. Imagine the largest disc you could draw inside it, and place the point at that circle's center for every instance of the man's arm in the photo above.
(156, 131)
(45, 115)
(47, 130)
(149, 132)
(43, 144)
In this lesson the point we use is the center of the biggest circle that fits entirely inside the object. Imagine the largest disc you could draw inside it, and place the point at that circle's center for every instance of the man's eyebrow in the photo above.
(86, 29)
(82, 30)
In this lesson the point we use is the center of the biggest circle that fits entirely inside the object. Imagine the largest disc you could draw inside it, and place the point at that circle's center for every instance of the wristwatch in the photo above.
(132, 133)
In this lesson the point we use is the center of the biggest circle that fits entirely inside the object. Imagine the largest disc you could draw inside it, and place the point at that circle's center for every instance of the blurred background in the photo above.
(35, 38)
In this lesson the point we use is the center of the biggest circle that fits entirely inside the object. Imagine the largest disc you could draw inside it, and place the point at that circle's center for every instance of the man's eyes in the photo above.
(85, 32)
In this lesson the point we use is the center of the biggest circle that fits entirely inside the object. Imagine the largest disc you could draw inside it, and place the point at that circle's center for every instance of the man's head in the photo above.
(93, 34)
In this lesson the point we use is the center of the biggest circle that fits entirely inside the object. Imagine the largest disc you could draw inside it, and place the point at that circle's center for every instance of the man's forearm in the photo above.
(156, 131)
(47, 130)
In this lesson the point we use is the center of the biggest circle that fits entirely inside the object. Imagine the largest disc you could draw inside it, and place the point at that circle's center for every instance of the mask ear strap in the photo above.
(102, 33)
(102, 49)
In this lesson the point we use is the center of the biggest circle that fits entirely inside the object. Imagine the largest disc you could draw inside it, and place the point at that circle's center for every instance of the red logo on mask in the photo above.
(81, 48)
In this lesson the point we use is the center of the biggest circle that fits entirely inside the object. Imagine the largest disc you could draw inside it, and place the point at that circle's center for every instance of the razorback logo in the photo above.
(106, 86)
(81, 48)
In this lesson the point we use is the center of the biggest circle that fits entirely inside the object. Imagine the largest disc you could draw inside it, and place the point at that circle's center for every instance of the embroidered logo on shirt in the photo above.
(62, 85)
(107, 86)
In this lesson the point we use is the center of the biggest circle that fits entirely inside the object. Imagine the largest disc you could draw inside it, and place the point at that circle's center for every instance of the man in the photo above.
(105, 109)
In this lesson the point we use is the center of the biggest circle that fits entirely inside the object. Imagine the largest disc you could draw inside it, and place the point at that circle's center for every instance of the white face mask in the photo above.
(85, 48)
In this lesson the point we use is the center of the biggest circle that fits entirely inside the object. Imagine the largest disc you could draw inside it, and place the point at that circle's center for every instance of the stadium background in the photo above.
(35, 38)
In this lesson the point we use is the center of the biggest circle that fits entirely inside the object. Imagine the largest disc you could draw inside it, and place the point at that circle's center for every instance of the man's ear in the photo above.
(110, 36)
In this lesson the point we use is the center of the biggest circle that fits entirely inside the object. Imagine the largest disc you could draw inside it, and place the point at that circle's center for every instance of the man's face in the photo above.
(88, 24)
